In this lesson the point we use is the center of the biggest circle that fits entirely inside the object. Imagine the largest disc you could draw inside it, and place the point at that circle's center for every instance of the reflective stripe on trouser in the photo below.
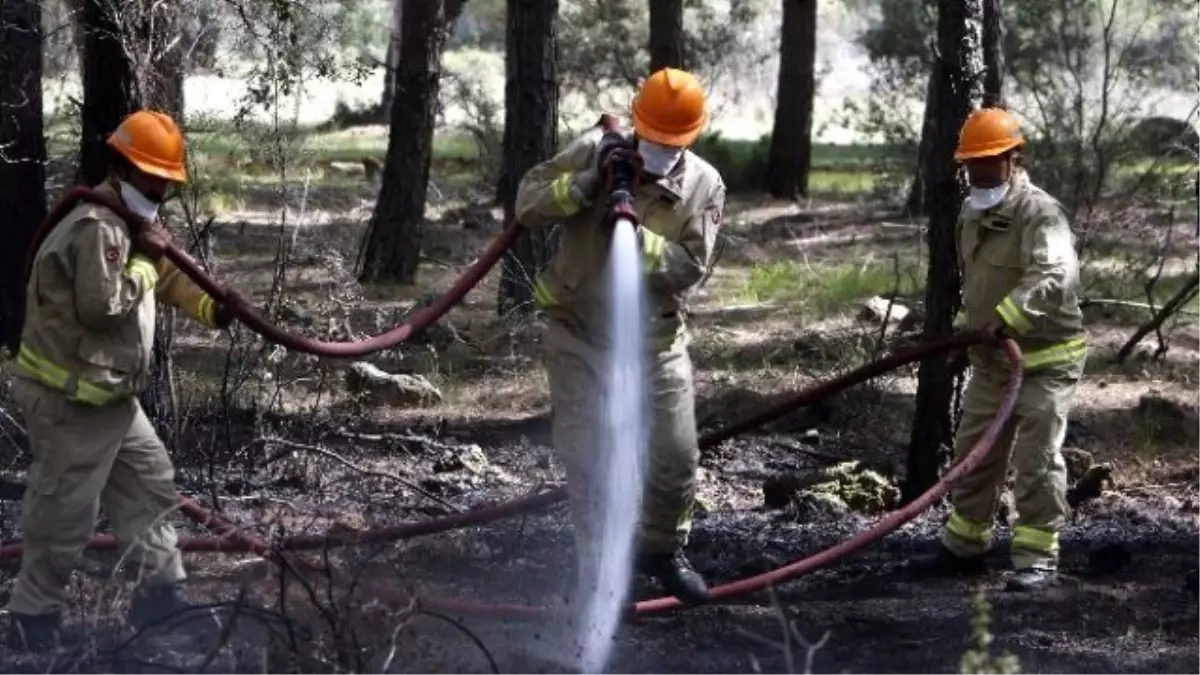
(1032, 443)
(574, 370)
(84, 456)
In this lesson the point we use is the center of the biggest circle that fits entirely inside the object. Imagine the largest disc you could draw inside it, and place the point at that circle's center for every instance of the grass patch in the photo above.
(826, 288)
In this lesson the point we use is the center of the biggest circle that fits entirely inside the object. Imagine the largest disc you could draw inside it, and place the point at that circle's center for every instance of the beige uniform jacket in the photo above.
(90, 307)
(680, 213)
(1019, 262)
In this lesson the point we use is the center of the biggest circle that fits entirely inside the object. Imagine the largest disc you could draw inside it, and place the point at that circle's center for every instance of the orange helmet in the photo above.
(671, 108)
(988, 132)
(153, 143)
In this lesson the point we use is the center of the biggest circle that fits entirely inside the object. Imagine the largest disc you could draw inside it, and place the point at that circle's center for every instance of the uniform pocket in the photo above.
(110, 353)
(1004, 253)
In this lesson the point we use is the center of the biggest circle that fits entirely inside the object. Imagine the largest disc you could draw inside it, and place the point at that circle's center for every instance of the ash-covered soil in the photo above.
(1127, 602)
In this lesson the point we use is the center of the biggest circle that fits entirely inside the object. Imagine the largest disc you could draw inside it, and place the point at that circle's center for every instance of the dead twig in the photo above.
(396, 438)
(366, 472)
(1171, 307)
(1096, 302)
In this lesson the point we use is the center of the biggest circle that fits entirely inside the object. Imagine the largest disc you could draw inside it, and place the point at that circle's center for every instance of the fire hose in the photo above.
(419, 319)
(229, 538)
(226, 537)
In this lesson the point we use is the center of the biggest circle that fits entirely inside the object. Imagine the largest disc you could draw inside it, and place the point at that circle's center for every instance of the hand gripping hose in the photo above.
(229, 538)
(420, 319)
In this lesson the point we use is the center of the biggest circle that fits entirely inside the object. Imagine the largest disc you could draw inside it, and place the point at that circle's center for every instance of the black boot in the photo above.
(676, 576)
(945, 563)
(40, 632)
(163, 603)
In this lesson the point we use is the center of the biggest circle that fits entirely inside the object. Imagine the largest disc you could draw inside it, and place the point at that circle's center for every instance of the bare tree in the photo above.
(392, 60)
(993, 53)
(110, 90)
(22, 153)
(454, 9)
(791, 138)
(666, 35)
(956, 86)
(394, 239)
(132, 59)
(530, 134)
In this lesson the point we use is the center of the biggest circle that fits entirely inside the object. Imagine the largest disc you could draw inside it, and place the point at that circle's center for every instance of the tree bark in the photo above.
(993, 53)
(22, 154)
(392, 59)
(110, 88)
(915, 205)
(791, 138)
(955, 88)
(394, 242)
(530, 135)
(131, 61)
(454, 9)
(667, 40)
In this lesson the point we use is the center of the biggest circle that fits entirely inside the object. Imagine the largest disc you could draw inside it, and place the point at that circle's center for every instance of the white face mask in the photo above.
(658, 159)
(138, 203)
(985, 198)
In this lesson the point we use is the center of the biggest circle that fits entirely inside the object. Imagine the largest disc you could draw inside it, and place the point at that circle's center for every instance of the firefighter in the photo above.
(679, 201)
(1020, 280)
(84, 356)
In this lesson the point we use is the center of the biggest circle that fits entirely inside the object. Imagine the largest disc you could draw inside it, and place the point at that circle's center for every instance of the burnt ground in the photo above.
(1124, 604)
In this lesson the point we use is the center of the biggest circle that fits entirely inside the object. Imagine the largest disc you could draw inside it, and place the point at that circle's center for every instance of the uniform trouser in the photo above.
(85, 456)
(1032, 444)
(575, 371)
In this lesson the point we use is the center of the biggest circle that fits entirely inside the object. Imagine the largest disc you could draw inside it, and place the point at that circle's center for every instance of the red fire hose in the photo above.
(420, 319)
(229, 538)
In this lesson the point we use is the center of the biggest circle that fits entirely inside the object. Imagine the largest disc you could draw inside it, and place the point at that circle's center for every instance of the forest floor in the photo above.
(781, 312)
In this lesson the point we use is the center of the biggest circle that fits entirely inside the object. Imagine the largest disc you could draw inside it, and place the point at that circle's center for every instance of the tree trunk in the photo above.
(955, 89)
(110, 88)
(392, 59)
(530, 126)
(791, 138)
(22, 154)
(132, 60)
(394, 241)
(454, 9)
(993, 54)
(915, 205)
(666, 35)
(163, 75)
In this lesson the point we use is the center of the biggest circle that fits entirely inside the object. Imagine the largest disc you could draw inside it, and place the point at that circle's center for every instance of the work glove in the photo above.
(227, 311)
(588, 182)
(996, 330)
(152, 242)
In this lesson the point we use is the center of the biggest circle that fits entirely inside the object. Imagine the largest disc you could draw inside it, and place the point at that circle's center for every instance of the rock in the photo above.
(912, 322)
(875, 309)
(778, 490)
(862, 489)
(1166, 420)
(850, 483)
(469, 457)
(1090, 485)
(809, 505)
(1078, 462)
(391, 388)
